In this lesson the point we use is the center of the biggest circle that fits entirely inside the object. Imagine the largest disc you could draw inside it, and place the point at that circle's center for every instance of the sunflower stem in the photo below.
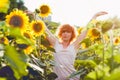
(103, 51)
(38, 43)
(111, 44)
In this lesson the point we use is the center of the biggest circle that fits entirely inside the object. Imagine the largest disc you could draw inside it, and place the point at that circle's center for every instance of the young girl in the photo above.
(66, 48)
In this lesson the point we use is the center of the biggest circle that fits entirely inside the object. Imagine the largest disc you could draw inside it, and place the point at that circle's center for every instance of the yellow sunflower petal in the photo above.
(4, 40)
(116, 41)
(37, 27)
(29, 36)
(28, 50)
(94, 33)
(17, 18)
(44, 10)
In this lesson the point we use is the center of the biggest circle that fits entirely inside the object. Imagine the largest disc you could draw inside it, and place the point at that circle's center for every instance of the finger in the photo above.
(28, 12)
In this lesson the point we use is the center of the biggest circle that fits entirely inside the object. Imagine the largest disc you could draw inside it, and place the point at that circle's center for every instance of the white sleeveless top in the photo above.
(64, 59)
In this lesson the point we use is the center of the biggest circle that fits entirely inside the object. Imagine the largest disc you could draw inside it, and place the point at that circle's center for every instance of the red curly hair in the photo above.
(69, 28)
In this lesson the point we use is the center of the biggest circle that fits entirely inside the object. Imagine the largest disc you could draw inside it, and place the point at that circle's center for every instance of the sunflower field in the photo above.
(25, 53)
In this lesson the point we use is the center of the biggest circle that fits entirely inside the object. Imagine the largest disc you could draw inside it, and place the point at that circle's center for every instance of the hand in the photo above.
(30, 14)
(99, 14)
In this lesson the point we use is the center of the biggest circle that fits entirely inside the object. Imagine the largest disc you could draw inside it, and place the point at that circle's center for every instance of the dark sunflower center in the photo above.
(2, 40)
(116, 41)
(37, 27)
(27, 35)
(95, 32)
(22, 46)
(16, 21)
(44, 9)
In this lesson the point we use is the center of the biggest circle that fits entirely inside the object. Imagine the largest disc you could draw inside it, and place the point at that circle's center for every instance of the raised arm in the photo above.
(51, 38)
(99, 14)
(83, 34)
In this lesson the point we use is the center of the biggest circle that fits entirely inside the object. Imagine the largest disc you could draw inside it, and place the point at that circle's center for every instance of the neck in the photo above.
(65, 43)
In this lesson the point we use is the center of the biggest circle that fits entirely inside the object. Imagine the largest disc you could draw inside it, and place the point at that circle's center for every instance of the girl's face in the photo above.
(66, 35)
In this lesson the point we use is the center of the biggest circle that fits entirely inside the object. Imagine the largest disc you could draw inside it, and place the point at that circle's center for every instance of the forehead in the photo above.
(67, 28)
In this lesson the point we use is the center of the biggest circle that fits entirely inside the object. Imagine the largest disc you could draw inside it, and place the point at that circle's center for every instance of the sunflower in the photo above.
(28, 50)
(4, 40)
(37, 27)
(44, 41)
(44, 10)
(4, 5)
(106, 26)
(29, 36)
(17, 19)
(116, 41)
(94, 33)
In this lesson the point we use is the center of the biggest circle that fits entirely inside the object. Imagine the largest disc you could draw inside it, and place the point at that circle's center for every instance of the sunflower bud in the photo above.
(37, 10)
(107, 25)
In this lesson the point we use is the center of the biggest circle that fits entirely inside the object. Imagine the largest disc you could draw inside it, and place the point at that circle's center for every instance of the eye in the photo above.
(63, 31)
(66, 31)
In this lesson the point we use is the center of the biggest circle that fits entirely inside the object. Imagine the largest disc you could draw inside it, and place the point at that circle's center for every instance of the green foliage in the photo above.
(17, 4)
(114, 75)
(98, 74)
(15, 60)
(52, 26)
(2, 78)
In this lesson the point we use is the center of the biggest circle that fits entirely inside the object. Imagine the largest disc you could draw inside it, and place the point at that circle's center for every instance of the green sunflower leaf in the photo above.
(16, 60)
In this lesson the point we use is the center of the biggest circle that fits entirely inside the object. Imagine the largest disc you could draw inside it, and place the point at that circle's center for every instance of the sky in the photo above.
(76, 12)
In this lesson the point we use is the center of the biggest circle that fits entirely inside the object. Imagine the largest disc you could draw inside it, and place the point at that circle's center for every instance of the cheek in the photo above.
(69, 35)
